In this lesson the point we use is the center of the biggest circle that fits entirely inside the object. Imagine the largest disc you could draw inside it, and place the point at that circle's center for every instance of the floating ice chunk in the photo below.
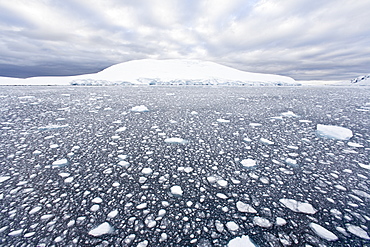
(194, 113)
(221, 120)
(266, 141)
(15, 233)
(163, 237)
(323, 232)
(143, 244)
(280, 221)
(147, 171)
(354, 145)
(94, 208)
(291, 162)
(60, 163)
(289, 114)
(221, 195)
(161, 212)
(101, 229)
(232, 226)
(97, 200)
(245, 208)
(299, 207)
(222, 182)
(124, 164)
(4, 178)
(64, 174)
(113, 214)
(53, 127)
(69, 180)
(334, 132)
(176, 190)
(176, 140)
(262, 222)
(35, 210)
(140, 108)
(47, 216)
(211, 179)
(305, 121)
(29, 234)
(36, 152)
(243, 241)
(358, 231)
(364, 166)
(122, 157)
(361, 193)
(142, 206)
(255, 124)
(248, 163)
(121, 129)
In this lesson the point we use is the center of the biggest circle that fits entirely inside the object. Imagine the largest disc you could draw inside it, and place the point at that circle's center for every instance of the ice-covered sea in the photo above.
(184, 166)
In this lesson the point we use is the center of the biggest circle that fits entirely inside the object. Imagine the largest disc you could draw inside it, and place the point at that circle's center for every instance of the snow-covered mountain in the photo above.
(361, 80)
(161, 72)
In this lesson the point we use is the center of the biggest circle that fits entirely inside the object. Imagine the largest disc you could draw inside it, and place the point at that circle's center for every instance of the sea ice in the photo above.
(243, 241)
(121, 129)
(101, 229)
(176, 140)
(323, 232)
(232, 226)
(299, 207)
(140, 108)
(53, 127)
(176, 190)
(60, 163)
(262, 222)
(280, 221)
(4, 178)
(245, 208)
(113, 214)
(334, 132)
(289, 114)
(221, 120)
(248, 163)
(266, 141)
(147, 171)
(358, 231)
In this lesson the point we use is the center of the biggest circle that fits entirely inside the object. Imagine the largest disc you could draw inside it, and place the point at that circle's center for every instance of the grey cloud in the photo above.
(304, 39)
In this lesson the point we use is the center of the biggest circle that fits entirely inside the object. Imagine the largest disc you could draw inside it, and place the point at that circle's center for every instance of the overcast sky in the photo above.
(304, 39)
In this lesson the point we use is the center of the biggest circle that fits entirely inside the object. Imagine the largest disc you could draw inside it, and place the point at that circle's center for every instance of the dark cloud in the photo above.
(304, 39)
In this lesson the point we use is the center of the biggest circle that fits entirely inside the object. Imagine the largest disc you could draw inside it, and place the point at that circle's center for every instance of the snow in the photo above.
(323, 232)
(248, 163)
(152, 71)
(243, 241)
(140, 108)
(245, 208)
(102, 229)
(176, 190)
(299, 207)
(175, 140)
(334, 132)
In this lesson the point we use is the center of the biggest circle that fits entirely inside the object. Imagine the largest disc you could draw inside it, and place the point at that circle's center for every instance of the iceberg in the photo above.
(334, 132)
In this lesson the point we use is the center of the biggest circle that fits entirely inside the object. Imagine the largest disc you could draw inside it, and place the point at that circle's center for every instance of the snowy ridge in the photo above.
(162, 72)
(358, 81)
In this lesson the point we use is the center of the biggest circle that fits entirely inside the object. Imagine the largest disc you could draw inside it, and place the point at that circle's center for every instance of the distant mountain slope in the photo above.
(361, 80)
(162, 72)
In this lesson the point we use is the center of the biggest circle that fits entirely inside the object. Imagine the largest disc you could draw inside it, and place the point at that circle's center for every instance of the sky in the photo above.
(303, 39)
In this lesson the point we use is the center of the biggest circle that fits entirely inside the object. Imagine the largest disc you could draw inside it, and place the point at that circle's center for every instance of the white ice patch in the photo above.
(323, 232)
(176, 190)
(97, 200)
(113, 214)
(334, 132)
(289, 114)
(364, 166)
(261, 222)
(175, 140)
(221, 195)
(140, 108)
(243, 241)
(361, 193)
(101, 229)
(60, 163)
(248, 163)
(4, 178)
(358, 231)
(232, 226)
(245, 208)
(147, 171)
(53, 127)
(121, 129)
(291, 162)
(280, 221)
(35, 210)
(354, 145)
(266, 141)
(299, 207)
(124, 164)
(221, 120)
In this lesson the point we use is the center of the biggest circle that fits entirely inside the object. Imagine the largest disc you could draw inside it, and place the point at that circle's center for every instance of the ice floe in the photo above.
(323, 232)
(245, 208)
(266, 141)
(140, 108)
(248, 163)
(334, 132)
(4, 178)
(60, 163)
(243, 241)
(261, 222)
(176, 190)
(53, 127)
(175, 140)
(299, 207)
(358, 231)
(102, 229)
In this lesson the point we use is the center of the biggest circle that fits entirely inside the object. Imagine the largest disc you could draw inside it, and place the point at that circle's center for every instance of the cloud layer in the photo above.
(304, 39)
